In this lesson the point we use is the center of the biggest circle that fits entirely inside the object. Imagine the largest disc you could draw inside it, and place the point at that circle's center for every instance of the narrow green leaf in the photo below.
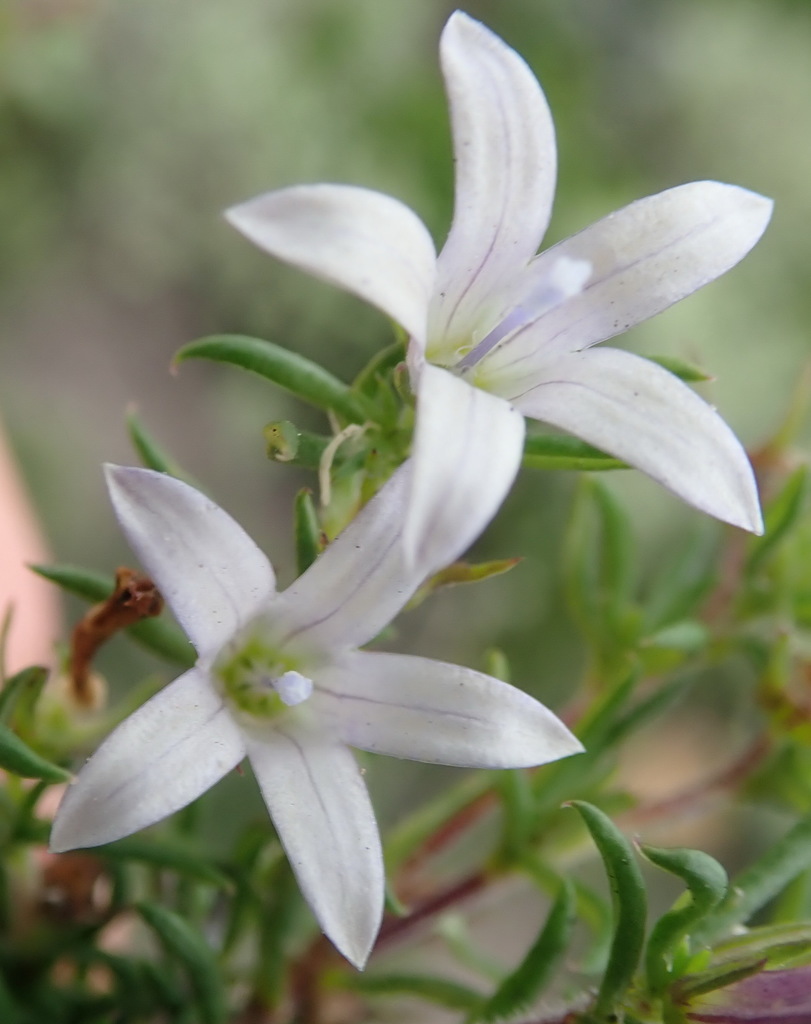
(602, 732)
(309, 535)
(393, 903)
(595, 914)
(523, 986)
(628, 899)
(690, 373)
(687, 636)
(151, 454)
(24, 685)
(683, 580)
(559, 451)
(17, 757)
(279, 918)
(761, 881)
(432, 990)
(652, 706)
(518, 798)
(158, 635)
(184, 943)
(295, 373)
(617, 543)
(421, 824)
(780, 515)
(497, 664)
(162, 854)
(707, 884)
(598, 559)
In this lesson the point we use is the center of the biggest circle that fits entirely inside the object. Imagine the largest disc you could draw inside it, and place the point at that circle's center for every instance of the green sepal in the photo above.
(158, 635)
(462, 572)
(151, 454)
(779, 516)
(19, 759)
(24, 689)
(162, 854)
(523, 985)
(302, 377)
(439, 991)
(707, 884)
(186, 944)
(754, 887)
(378, 368)
(778, 946)
(310, 538)
(690, 373)
(559, 451)
(629, 902)
(719, 976)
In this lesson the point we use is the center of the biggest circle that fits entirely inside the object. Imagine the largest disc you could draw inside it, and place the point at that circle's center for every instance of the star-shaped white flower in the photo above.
(519, 328)
(279, 679)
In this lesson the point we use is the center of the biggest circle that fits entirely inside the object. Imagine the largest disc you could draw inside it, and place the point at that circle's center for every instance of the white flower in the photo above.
(519, 327)
(279, 679)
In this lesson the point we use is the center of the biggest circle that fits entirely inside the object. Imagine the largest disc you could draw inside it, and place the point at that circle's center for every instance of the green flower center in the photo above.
(261, 681)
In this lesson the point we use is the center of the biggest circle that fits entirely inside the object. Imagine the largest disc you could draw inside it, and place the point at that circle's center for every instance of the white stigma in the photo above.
(293, 688)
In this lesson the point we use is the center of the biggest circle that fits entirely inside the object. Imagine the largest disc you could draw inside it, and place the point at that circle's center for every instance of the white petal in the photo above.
(362, 241)
(644, 257)
(638, 412)
(357, 585)
(172, 749)
(210, 572)
(432, 711)
(504, 148)
(467, 449)
(322, 813)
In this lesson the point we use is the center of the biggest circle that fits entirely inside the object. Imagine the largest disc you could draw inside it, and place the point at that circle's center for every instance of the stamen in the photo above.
(325, 464)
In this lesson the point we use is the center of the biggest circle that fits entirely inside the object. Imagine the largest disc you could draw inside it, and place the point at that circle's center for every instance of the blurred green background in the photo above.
(125, 129)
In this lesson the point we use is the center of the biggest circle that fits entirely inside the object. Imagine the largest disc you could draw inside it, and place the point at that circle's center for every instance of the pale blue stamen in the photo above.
(566, 278)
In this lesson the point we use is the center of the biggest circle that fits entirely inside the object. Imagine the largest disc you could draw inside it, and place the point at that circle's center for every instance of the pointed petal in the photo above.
(644, 258)
(432, 711)
(357, 585)
(321, 809)
(504, 147)
(208, 569)
(362, 241)
(467, 449)
(637, 411)
(366, 575)
(172, 749)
